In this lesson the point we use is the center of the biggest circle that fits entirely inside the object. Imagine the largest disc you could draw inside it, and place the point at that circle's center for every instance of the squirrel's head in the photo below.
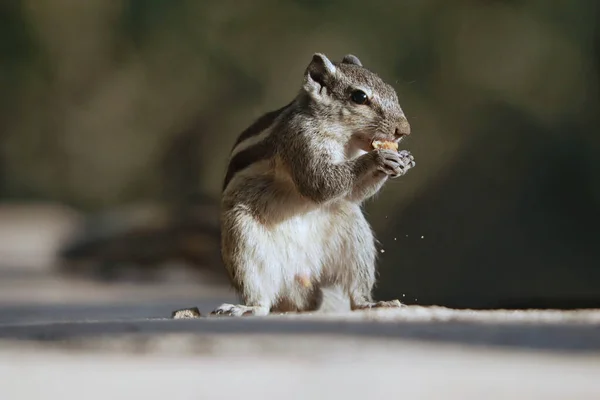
(354, 100)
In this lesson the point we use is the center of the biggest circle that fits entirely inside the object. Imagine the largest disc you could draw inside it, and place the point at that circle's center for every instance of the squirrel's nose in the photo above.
(403, 128)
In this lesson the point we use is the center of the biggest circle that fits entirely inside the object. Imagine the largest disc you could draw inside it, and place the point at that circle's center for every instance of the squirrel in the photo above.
(294, 186)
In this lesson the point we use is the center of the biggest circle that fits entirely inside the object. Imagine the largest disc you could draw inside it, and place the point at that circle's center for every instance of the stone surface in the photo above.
(74, 339)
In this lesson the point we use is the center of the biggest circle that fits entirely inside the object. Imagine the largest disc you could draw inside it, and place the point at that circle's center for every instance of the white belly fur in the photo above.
(299, 243)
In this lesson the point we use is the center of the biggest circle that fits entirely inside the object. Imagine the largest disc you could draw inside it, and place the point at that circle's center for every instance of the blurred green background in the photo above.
(114, 105)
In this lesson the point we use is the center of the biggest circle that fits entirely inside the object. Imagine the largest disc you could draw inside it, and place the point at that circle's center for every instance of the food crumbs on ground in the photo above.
(186, 313)
(394, 238)
(382, 250)
(422, 237)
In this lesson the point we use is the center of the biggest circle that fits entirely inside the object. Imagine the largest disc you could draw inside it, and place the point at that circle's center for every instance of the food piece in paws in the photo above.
(384, 144)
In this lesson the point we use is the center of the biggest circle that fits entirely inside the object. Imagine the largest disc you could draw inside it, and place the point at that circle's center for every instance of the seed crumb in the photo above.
(382, 250)
(186, 313)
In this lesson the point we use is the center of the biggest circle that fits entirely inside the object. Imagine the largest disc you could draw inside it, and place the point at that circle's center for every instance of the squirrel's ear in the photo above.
(317, 72)
(351, 59)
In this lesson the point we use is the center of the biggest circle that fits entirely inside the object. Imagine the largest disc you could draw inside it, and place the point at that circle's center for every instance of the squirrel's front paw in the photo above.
(394, 163)
(407, 162)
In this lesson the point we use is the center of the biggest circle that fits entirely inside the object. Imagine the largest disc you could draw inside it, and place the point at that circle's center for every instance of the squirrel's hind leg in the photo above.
(366, 305)
(356, 269)
(253, 268)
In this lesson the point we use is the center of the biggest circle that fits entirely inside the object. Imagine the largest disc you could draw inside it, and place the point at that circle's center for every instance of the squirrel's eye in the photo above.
(359, 97)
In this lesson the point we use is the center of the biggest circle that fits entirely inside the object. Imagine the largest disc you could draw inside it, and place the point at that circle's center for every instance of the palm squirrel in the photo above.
(292, 194)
